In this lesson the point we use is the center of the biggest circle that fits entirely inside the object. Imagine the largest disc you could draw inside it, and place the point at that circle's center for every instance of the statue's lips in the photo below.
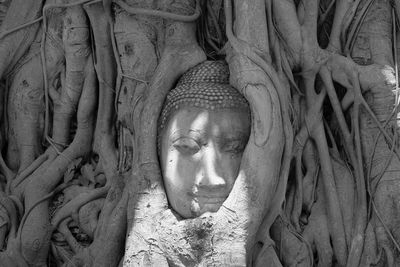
(208, 198)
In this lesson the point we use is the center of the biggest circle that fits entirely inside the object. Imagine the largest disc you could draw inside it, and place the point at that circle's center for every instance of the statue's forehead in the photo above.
(198, 122)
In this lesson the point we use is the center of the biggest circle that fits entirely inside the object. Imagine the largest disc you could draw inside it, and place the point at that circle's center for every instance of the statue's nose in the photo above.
(210, 171)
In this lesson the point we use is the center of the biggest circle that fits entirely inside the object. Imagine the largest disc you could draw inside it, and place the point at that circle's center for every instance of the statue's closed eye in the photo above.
(233, 146)
(186, 146)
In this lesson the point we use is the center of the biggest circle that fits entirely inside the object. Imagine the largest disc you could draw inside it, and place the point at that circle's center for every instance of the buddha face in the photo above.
(200, 153)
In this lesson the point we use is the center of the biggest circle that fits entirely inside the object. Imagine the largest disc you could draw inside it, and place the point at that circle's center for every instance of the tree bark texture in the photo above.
(82, 87)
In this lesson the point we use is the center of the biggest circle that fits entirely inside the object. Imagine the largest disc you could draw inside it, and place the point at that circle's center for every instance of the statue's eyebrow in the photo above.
(233, 136)
(195, 134)
(176, 135)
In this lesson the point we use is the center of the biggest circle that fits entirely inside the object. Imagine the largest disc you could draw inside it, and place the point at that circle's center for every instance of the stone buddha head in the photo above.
(203, 130)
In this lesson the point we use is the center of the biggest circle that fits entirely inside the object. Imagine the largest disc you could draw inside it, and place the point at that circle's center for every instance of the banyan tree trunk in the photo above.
(381, 157)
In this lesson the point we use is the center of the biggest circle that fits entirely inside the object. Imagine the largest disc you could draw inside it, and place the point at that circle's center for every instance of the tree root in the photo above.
(13, 48)
(41, 185)
(89, 216)
(161, 14)
(27, 171)
(11, 209)
(293, 248)
(63, 228)
(74, 205)
(242, 49)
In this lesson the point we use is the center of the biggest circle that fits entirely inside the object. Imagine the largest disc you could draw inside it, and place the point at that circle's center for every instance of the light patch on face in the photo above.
(200, 121)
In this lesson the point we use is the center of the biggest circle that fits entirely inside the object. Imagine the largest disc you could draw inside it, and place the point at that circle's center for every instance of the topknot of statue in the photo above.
(203, 86)
(215, 72)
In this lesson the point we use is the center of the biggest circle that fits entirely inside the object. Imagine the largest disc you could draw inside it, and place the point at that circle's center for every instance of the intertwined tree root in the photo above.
(84, 85)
